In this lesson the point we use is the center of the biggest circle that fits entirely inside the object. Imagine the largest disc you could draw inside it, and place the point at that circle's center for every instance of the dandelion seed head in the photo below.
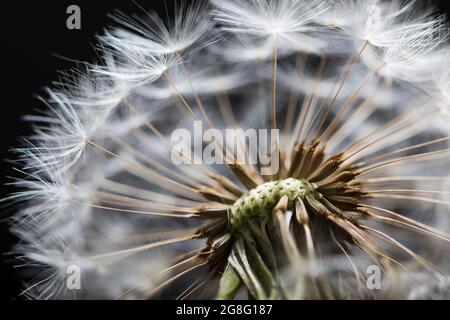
(109, 184)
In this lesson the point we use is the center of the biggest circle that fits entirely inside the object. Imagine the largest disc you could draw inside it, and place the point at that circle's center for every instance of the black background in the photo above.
(33, 33)
(34, 37)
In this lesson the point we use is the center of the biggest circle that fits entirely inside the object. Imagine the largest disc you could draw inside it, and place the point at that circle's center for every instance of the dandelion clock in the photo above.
(261, 149)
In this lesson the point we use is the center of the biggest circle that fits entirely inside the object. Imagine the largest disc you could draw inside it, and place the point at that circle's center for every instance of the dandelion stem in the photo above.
(349, 102)
(194, 92)
(274, 83)
(407, 124)
(143, 168)
(300, 64)
(366, 106)
(341, 82)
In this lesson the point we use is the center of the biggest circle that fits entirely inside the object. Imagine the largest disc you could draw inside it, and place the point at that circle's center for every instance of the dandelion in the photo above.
(362, 175)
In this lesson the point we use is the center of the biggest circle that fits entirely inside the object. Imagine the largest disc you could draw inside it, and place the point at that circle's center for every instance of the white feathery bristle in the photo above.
(242, 48)
(62, 142)
(134, 66)
(190, 24)
(205, 80)
(57, 200)
(289, 21)
(438, 86)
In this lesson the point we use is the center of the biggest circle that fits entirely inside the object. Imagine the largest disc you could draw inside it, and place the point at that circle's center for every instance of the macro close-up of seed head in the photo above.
(244, 149)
